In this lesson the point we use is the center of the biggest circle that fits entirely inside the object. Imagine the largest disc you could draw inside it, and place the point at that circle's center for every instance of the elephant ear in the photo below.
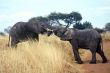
(69, 34)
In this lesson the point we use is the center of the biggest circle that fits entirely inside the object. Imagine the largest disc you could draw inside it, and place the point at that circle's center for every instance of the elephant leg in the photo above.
(75, 48)
(101, 53)
(37, 37)
(93, 61)
(76, 55)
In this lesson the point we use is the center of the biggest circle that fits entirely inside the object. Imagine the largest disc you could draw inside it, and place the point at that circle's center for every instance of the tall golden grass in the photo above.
(49, 55)
(106, 36)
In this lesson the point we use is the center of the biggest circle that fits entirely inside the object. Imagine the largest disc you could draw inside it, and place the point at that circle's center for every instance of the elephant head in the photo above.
(39, 26)
(64, 33)
(67, 35)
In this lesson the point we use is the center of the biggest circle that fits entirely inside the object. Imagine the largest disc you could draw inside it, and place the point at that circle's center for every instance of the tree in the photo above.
(87, 24)
(71, 18)
(107, 26)
(55, 18)
(78, 26)
(2, 33)
(99, 30)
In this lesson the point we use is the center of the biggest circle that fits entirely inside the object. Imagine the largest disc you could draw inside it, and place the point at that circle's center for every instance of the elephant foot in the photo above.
(93, 62)
(104, 61)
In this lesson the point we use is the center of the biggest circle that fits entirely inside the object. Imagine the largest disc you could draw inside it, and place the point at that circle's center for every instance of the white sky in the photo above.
(12, 11)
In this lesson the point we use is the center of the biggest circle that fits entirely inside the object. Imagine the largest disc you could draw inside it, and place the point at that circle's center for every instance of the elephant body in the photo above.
(26, 30)
(86, 39)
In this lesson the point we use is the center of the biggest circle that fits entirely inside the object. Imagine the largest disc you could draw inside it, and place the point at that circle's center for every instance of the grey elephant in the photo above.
(22, 31)
(86, 39)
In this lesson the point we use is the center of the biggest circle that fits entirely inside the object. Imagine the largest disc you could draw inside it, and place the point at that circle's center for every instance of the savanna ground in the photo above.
(49, 55)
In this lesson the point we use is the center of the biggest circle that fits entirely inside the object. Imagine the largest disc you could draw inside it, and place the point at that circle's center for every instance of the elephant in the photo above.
(88, 39)
(22, 31)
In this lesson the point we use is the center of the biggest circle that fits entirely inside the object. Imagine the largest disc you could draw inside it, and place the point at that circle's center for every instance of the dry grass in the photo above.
(49, 55)
(106, 36)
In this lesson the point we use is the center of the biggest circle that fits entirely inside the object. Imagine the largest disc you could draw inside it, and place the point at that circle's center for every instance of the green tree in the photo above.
(78, 26)
(2, 33)
(71, 18)
(55, 18)
(107, 26)
(99, 30)
(87, 24)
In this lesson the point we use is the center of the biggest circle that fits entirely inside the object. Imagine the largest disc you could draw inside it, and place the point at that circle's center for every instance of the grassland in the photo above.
(49, 55)
(106, 36)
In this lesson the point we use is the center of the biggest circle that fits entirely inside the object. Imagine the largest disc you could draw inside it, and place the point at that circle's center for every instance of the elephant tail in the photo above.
(9, 41)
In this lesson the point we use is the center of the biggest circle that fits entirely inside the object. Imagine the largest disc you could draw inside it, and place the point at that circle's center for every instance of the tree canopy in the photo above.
(99, 30)
(2, 33)
(83, 25)
(87, 24)
(107, 26)
(78, 26)
(69, 18)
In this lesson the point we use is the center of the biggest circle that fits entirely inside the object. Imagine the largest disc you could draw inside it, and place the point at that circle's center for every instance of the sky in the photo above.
(95, 11)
